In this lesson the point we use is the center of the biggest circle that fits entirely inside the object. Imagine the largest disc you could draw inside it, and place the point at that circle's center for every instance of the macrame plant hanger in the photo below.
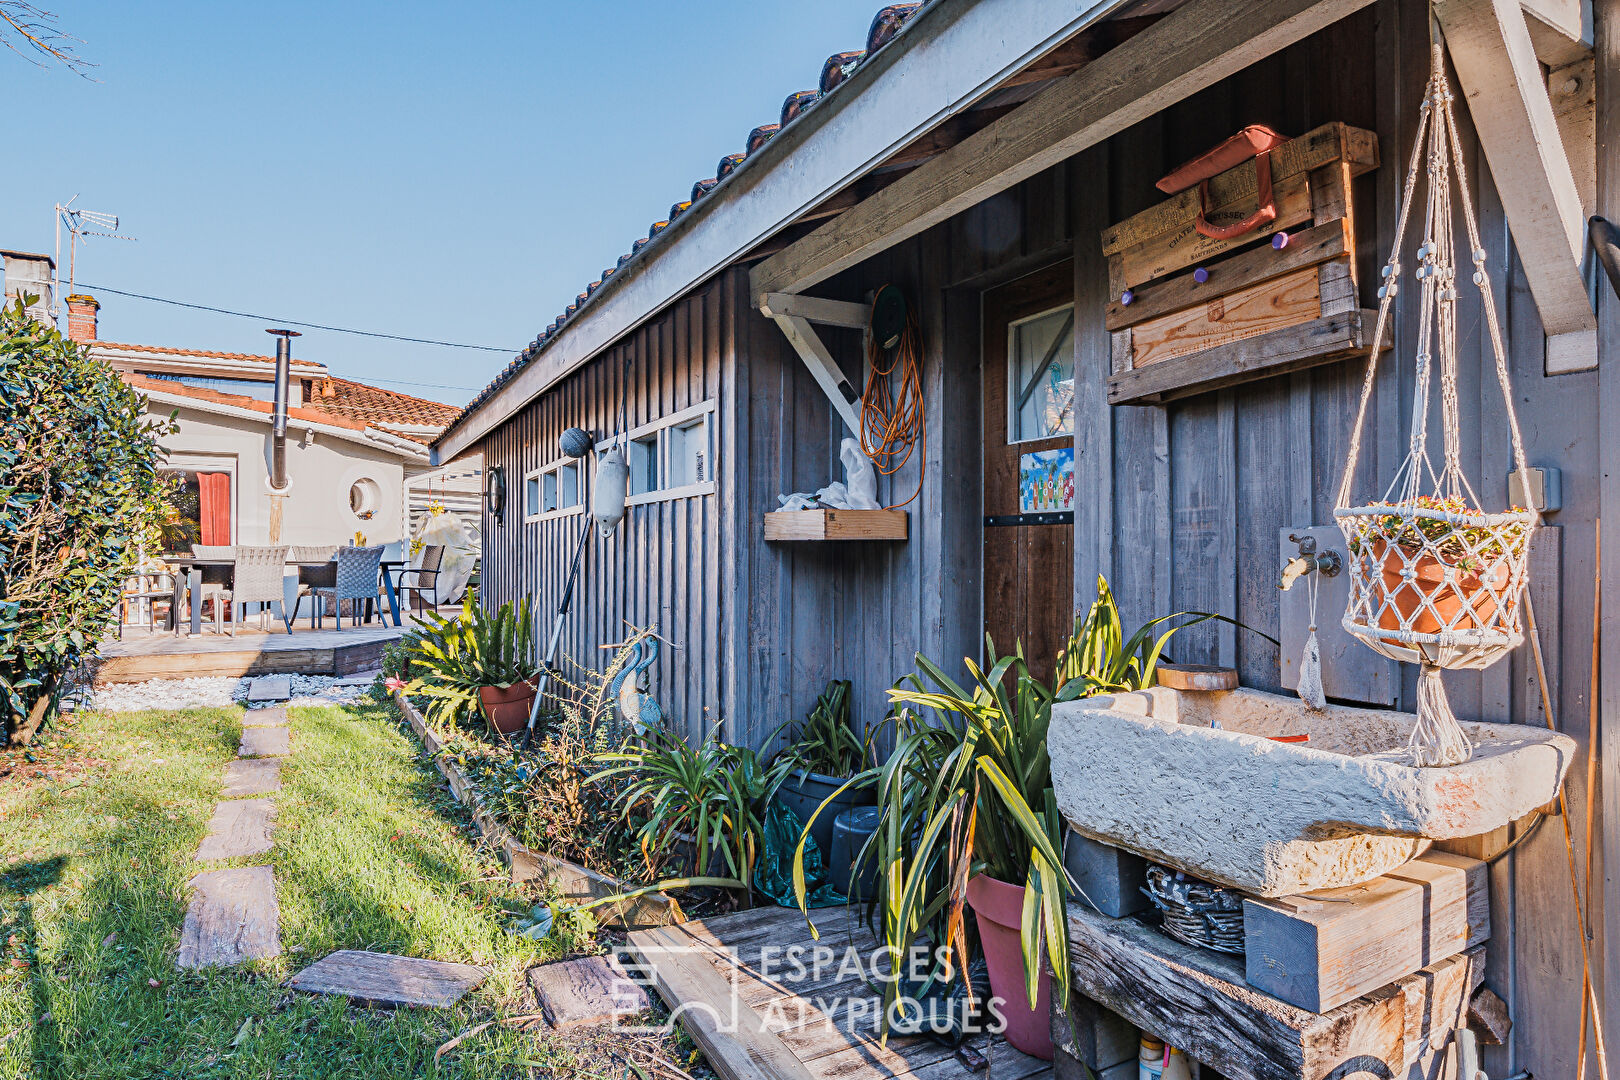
(1433, 579)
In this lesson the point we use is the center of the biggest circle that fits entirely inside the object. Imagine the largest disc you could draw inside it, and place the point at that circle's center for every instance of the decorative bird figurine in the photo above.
(629, 687)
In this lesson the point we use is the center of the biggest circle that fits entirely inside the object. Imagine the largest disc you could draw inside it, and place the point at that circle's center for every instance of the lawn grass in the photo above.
(97, 837)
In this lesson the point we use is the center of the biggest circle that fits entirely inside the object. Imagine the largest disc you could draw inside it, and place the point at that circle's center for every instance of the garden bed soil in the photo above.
(575, 883)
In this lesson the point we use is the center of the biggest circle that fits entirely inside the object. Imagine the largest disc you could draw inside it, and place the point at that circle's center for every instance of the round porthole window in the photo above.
(365, 498)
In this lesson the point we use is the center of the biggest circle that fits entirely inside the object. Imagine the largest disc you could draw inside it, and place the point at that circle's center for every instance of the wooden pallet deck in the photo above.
(143, 655)
(755, 1021)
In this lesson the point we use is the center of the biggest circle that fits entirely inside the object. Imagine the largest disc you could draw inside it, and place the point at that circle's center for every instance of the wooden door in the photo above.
(1029, 493)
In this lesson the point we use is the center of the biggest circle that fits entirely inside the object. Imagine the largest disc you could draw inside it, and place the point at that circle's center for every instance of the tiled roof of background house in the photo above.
(834, 71)
(378, 407)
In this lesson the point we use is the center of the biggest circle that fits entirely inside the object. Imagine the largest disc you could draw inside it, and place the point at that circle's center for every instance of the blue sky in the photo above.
(447, 171)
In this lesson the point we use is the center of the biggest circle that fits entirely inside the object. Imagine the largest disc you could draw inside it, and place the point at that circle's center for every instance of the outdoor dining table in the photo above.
(189, 572)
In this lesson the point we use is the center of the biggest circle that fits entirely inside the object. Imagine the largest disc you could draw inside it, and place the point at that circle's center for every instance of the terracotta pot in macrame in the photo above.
(1465, 603)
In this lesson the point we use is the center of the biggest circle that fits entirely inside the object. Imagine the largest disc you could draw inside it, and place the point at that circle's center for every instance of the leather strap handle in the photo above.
(1266, 211)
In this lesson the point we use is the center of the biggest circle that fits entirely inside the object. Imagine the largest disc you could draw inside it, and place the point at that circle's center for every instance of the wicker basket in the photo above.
(1195, 911)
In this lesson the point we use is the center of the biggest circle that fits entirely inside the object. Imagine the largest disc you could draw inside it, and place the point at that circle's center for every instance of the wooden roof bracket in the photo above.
(794, 314)
(1495, 57)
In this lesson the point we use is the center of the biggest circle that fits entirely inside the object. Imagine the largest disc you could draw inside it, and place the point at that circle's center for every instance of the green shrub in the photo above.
(80, 498)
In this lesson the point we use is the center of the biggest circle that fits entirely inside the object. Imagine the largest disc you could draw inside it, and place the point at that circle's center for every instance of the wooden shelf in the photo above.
(835, 525)
(1293, 348)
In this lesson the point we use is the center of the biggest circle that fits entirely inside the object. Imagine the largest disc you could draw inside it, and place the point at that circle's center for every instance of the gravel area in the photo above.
(223, 691)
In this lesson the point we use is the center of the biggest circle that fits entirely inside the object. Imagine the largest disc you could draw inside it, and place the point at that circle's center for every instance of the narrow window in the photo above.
(567, 486)
(644, 464)
(548, 492)
(531, 495)
(689, 453)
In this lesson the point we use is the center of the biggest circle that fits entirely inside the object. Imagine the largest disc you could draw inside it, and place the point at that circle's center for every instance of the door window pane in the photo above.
(1040, 383)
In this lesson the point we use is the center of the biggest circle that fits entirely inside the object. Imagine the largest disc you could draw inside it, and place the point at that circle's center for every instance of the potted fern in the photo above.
(477, 662)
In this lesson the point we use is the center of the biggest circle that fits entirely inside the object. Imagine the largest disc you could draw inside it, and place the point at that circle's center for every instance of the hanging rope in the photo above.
(1433, 579)
(893, 421)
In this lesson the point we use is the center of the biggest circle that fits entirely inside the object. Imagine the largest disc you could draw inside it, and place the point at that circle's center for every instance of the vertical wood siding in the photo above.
(662, 565)
(1179, 506)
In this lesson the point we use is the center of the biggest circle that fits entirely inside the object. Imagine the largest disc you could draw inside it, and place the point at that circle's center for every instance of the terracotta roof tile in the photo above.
(375, 406)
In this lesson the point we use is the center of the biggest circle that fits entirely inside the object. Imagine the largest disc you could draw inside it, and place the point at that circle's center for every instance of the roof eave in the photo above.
(946, 58)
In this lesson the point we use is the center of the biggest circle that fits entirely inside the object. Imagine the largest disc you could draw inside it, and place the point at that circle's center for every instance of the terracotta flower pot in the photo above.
(1467, 596)
(507, 707)
(999, 909)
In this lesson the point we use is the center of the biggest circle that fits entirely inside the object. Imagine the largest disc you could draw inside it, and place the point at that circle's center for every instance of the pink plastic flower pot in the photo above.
(999, 908)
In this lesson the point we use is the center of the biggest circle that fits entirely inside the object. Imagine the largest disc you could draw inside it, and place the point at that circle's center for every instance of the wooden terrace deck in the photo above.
(810, 1028)
(143, 654)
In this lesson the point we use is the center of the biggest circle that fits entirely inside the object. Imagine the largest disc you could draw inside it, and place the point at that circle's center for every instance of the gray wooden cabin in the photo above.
(1180, 504)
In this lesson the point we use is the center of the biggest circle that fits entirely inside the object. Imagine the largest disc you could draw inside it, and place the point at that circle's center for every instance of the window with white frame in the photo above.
(673, 457)
(552, 491)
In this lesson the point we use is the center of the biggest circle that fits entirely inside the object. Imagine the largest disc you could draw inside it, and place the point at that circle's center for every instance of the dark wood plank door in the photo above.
(1029, 465)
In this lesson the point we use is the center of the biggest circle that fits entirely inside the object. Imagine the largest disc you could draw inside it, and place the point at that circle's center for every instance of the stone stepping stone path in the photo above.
(275, 716)
(233, 918)
(369, 978)
(252, 776)
(586, 992)
(269, 688)
(239, 827)
(264, 742)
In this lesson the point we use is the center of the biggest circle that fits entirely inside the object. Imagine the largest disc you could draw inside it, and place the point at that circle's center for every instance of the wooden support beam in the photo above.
(815, 309)
(827, 373)
(1513, 114)
(1201, 43)
(1561, 30)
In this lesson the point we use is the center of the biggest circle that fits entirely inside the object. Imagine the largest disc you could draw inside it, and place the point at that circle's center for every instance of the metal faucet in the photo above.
(1326, 563)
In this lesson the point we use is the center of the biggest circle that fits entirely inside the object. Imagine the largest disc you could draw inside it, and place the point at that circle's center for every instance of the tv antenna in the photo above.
(80, 223)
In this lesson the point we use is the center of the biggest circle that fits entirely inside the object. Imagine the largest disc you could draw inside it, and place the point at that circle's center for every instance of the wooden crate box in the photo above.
(1263, 310)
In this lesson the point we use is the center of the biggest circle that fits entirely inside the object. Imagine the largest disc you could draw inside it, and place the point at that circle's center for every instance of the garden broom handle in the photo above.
(556, 629)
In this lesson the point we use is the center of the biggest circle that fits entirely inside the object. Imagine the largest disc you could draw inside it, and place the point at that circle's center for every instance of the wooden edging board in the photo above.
(575, 882)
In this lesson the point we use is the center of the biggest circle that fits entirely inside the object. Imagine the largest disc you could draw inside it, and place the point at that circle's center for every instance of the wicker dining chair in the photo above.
(258, 578)
(358, 570)
(424, 579)
(311, 575)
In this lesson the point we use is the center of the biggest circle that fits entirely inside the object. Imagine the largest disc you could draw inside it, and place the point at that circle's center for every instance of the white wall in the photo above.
(321, 471)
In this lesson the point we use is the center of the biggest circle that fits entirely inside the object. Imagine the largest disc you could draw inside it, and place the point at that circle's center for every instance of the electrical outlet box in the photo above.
(1538, 489)
(1350, 670)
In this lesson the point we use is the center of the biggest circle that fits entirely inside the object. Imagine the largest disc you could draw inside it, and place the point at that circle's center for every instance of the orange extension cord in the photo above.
(892, 417)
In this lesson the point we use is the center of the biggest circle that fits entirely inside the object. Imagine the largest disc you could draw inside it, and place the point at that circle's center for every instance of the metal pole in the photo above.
(278, 424)
(548, 665)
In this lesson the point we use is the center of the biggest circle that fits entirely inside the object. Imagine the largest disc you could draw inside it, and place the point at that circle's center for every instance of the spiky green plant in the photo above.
(713, 795)
(1099, 659)
(457, 657)
(825, 741)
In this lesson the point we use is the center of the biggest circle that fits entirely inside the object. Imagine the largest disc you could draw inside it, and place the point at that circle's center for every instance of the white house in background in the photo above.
(357, 454)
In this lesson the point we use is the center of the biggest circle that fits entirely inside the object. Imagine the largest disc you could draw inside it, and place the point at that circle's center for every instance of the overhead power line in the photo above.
(295, 322)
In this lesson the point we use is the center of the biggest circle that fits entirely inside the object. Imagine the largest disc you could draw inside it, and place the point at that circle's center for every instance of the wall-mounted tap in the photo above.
(1309, 560)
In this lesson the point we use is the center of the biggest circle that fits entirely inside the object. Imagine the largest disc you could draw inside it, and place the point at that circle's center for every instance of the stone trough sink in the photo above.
(1192, 780)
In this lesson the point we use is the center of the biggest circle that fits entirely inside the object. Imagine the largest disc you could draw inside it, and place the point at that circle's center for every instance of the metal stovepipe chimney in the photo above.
(278, 424)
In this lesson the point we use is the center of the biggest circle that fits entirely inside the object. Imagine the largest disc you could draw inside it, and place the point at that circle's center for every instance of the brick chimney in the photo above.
(82, 310)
